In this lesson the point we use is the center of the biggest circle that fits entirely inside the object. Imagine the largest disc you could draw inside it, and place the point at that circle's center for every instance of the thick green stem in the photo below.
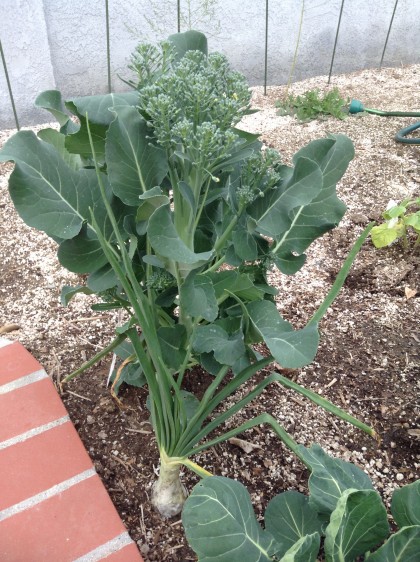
(220, 242)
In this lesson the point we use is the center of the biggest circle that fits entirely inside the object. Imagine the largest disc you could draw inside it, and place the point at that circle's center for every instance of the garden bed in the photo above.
(368, 361)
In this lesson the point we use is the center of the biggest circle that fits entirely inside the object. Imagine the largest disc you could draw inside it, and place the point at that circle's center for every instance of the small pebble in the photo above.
(90, 420)
(400, 476)
(144, 549)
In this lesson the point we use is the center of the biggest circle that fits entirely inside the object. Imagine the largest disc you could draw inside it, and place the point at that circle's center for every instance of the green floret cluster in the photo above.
(261, 172)
(199, 89)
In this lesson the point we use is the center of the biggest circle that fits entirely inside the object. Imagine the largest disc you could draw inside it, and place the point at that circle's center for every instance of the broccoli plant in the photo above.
(176, 215)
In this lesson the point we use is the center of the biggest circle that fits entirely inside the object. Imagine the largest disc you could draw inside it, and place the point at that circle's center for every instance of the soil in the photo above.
(367, 363)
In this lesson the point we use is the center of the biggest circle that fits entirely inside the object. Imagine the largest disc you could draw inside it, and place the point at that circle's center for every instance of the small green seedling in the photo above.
(312, 105)
(397, 225)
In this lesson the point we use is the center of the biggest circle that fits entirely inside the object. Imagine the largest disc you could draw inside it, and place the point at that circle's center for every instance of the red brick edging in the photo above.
(53, 505)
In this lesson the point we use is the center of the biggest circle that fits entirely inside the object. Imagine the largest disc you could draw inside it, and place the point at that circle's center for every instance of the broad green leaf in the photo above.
(52, 101)
(131, 374)
(289, 518)
(99, 110)
(288, 263)
(292, 349)
(304, 550)
(47, 193)
(150, 201)
(100, 107)
(82, 253)
(209, 363)
(167, 297)
(124, 350)
(197, 297)
(188, 41)
(405, 505)
(404, 546)
(134, 165)
(245, 244)
(57, 140)
(79, 142)
(299, 190)
(227, 349)
(330, 477)
(357, 524)
(153, 260)
(382, 235)
(231, 258)
(239, 284)
(311, 220)
(166, 242)
(332, 155)
(67, 293)
(191, 403)
(102, 279)
(220, 524)
(172, 343)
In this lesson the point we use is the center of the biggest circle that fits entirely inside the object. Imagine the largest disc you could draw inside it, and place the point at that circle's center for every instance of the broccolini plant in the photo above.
(176, 215)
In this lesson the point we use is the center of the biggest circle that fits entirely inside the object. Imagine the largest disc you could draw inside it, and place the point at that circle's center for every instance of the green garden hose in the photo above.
(356, 106)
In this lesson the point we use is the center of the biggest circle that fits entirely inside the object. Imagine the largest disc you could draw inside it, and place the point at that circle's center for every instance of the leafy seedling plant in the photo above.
(343, 508)
(399, 220)
(312, 105)
(176, 215)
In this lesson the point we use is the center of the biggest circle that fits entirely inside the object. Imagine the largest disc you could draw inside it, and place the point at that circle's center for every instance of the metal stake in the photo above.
(336, 39)
(9, 87)
(389, 31)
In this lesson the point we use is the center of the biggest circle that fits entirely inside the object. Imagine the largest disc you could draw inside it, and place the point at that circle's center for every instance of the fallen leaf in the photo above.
(410, 293)
(244, 445)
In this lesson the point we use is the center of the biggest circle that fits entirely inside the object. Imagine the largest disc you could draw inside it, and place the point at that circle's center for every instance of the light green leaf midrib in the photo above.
(134, 153)
(284, 237)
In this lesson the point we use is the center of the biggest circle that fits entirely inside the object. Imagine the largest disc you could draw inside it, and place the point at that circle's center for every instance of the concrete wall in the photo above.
(62, 43)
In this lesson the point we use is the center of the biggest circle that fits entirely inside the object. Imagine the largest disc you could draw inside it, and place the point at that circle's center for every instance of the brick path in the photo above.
(53, 505)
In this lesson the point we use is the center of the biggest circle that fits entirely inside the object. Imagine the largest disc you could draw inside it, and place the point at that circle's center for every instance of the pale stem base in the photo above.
(169, 494)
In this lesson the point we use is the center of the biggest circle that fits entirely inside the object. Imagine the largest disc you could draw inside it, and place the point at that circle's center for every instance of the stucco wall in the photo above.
(62, 43)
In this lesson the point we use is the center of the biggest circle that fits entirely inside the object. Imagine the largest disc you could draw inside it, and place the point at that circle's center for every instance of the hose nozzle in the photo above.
(356, 106)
